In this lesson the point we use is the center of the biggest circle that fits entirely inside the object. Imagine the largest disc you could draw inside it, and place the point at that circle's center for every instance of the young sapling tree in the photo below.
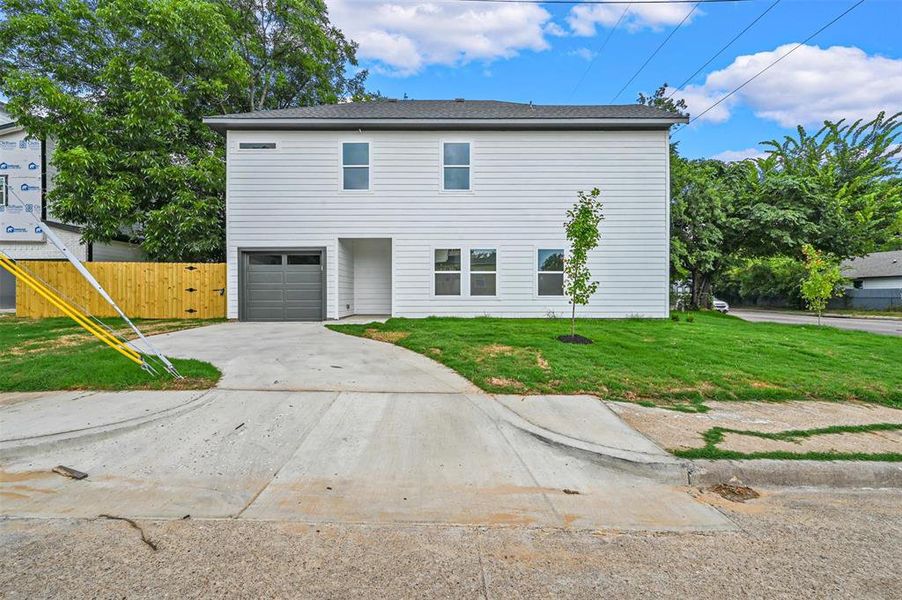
(821, 280)
(581, 226)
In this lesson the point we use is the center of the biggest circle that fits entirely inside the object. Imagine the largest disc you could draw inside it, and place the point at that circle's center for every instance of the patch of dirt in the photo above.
(392, 337)
(435, 351)
(704, 387)
(865, 442)
(495, 350)
(764, 385)
(542, 362)
(734, 492)
(505, 382)
(36, 346)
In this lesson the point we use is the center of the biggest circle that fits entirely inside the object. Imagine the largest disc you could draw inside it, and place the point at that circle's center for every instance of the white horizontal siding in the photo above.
(523, 183)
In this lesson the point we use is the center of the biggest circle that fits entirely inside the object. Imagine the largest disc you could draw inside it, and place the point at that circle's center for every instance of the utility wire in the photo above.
(762, 71)
(727, 45)
(600, 48)
(653, 54)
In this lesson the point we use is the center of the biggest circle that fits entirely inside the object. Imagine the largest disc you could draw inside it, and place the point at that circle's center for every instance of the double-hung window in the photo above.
(456, 166)
(483, 271)
(447, 271)
(355, 166)
(550, 272)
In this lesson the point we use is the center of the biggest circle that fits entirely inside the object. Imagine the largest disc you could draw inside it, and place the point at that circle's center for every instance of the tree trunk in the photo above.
(701, 291)
(573, 321)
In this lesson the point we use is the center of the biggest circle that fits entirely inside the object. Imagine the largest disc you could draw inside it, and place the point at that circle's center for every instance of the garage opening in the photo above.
(284, 285)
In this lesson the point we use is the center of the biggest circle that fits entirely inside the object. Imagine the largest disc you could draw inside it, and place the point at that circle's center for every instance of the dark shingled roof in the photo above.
(878, 264)
(456, 110)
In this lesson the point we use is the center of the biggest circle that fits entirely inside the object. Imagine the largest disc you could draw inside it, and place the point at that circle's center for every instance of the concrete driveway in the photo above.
(308, 357)
(872, 325)
(314, 426)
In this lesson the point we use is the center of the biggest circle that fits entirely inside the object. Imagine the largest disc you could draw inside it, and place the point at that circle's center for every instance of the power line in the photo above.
(658, 49)
(600, 48)
(762, 71)
(727, 45)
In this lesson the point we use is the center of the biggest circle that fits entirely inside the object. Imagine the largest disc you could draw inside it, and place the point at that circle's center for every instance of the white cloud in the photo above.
(642, 14)
(583, 53)
(405, 38)
(737, 155)
(811, 85)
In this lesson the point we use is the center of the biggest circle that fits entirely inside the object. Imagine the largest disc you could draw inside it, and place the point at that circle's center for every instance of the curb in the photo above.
(17, 448)
(793, 473)
(663, 467)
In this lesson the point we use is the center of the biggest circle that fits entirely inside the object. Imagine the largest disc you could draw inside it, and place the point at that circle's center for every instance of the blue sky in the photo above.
(519, 52)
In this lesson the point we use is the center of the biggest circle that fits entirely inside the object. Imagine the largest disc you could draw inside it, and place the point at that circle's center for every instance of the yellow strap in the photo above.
(74, 314)
(92, 328)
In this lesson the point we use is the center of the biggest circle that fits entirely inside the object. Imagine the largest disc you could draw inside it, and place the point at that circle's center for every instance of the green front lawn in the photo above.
(676, 364)
(57, 354)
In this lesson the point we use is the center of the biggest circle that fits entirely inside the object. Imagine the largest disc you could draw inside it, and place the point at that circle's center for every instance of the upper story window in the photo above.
(355, 166)
(447, 271)
(550, 272)
(483, 271)
(456, 166)
(256, 145)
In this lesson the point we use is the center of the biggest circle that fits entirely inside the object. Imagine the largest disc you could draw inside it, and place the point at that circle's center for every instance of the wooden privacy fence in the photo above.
(142, 290)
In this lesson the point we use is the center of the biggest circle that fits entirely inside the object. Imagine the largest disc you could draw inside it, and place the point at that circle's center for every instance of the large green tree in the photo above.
(703, 199)
(294, 54)
(122, 86)
(838, 190)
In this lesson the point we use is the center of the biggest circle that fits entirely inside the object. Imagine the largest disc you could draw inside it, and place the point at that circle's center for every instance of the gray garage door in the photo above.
(283, 286)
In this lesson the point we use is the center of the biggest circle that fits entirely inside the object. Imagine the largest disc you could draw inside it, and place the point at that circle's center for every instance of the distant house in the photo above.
(875, 282)
(880, 270)
(414, 208)
(25, 177)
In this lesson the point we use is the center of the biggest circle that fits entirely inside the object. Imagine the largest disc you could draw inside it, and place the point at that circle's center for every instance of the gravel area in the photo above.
(791, 544)
(677, 430)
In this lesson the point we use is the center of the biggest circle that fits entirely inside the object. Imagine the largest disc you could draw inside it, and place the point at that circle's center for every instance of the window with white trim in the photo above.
(456, 166)
(355, 166)
(4, 179)
(550, 269)
(447, 271)
(483, 271)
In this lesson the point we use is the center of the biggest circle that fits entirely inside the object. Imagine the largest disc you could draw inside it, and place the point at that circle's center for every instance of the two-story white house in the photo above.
(413, 208)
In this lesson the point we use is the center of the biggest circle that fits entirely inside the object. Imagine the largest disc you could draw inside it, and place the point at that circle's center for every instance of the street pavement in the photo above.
(873, 325)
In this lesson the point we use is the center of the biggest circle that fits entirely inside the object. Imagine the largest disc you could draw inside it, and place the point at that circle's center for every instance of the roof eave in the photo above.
(224, 124)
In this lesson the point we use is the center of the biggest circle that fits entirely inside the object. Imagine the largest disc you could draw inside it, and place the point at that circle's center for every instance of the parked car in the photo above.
(721, 306)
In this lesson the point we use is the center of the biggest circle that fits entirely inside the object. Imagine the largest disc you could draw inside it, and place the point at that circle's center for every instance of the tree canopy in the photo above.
(838, 190)
(122, 85)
